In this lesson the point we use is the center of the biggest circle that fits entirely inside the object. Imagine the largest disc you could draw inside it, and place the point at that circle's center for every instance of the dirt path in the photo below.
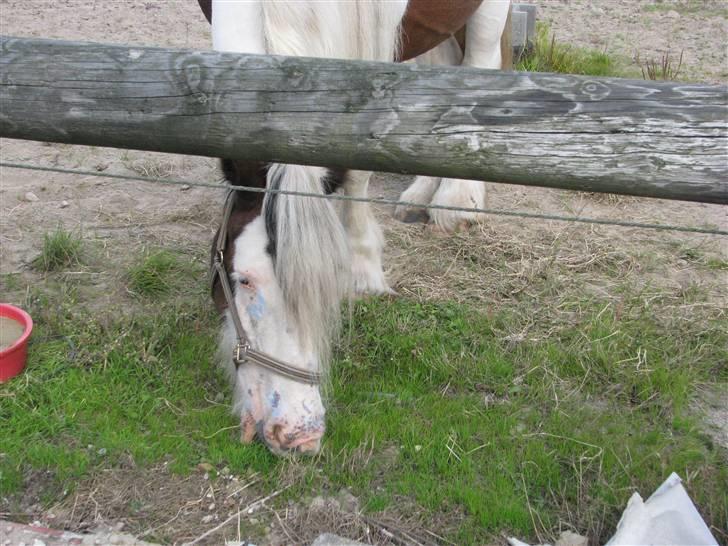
(144, 214)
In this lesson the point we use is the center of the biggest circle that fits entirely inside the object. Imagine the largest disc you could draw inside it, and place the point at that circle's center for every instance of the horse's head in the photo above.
(285, 259)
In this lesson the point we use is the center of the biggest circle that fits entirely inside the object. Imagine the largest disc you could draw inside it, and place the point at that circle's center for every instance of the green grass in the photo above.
(484, 433)
(155, 274)
(549, 55)
(60, 249)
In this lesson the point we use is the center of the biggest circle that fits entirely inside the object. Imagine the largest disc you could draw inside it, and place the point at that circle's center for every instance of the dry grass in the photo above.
(664, 69)
(156, 504)
(301, 524)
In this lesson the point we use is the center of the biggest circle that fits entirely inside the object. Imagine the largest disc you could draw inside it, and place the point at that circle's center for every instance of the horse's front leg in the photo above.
(366, 241)
(487, 45)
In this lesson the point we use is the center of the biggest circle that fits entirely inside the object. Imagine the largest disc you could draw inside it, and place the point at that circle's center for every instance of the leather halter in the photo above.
(243, 351)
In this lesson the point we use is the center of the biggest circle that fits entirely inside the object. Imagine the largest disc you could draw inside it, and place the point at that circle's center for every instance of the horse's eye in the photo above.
(244, 281)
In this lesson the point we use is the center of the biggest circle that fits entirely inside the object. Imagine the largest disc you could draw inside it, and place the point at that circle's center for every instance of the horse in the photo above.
(283, 264)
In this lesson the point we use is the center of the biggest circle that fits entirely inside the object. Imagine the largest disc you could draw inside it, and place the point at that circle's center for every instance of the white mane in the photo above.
(312, 257)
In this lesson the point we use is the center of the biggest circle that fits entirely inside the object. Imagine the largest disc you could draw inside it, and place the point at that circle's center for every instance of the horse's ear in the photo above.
(206, 6)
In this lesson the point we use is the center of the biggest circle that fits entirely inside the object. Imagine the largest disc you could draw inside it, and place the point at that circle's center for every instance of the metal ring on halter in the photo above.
(243, 352)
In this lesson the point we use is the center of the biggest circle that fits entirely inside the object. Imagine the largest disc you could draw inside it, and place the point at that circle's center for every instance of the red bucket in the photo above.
(12, 358)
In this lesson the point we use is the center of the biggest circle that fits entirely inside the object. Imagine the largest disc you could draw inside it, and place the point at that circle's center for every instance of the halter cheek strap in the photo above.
(243, 351)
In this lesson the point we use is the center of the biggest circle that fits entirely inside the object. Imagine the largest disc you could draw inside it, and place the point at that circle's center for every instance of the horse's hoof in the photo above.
(411, 215)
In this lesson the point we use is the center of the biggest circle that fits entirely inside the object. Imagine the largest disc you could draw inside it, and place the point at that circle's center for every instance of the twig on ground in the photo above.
(393, 532)
(247, 509)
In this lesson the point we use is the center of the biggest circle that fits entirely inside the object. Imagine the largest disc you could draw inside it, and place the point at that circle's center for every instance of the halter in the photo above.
(243, 351)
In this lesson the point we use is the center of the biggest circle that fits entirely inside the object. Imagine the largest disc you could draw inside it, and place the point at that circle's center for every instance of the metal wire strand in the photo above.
(376, 200)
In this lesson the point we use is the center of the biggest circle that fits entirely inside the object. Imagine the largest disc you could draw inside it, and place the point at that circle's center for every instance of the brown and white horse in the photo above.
(291, 260)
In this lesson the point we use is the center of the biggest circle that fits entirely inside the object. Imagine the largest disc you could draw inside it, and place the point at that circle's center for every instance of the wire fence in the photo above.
(374, 200)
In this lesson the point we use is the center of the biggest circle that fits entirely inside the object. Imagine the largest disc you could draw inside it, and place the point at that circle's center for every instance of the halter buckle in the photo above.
(240, 353)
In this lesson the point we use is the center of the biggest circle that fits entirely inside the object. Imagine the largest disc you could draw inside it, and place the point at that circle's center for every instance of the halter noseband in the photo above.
(243, 351)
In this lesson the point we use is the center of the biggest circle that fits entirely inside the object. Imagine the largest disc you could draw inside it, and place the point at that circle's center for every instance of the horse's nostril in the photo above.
(277, 434)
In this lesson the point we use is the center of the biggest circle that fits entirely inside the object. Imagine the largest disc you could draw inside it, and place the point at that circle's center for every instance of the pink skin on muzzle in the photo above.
(283, 430)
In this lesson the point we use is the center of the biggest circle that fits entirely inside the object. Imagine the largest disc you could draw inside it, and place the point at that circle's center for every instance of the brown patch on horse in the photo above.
(246, 207)
(427, 23)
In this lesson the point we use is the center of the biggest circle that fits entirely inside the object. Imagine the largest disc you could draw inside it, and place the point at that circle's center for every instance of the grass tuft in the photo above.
(153, 276)
(548, 55)
(60, 249)
(664, 69)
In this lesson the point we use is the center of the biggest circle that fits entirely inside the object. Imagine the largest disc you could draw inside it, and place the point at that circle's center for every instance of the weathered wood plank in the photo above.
(658, 139)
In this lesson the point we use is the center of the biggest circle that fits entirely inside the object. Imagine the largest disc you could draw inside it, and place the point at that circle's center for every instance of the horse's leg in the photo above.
(366, 240)
(420, 192)
(423, 188)
(486, 29)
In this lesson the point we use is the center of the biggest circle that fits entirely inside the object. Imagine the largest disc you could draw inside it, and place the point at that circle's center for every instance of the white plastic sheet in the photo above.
(667, 518)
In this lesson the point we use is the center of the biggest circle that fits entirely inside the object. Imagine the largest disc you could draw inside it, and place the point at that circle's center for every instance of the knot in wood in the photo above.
(595, 90)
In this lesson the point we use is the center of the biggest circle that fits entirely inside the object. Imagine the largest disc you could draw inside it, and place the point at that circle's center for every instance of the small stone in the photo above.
(206, 476)
(102, 451)
(328, 539)
(348, 502)
(211, 506)
(318, 503)
(208, 518)
(418, 448)
(672, 14)
(64, 204)
(101, 166)
(30, 197)
(184, 187)
(568, 538)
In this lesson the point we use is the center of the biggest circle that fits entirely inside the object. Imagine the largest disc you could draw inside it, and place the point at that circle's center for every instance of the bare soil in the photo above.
(121, 218)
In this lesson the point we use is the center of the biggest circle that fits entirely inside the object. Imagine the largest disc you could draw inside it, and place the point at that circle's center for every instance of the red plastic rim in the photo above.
(12, 359)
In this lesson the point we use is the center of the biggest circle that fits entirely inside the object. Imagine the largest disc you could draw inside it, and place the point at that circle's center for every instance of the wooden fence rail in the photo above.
(658, 139)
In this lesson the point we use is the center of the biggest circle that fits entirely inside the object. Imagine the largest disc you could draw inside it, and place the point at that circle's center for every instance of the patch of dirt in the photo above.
(648, 29)
(157, 505)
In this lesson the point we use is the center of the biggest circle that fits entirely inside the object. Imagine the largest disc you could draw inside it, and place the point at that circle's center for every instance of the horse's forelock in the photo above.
(311, 258)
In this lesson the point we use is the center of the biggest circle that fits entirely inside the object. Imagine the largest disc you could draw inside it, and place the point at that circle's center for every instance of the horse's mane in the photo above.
(307, 238)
